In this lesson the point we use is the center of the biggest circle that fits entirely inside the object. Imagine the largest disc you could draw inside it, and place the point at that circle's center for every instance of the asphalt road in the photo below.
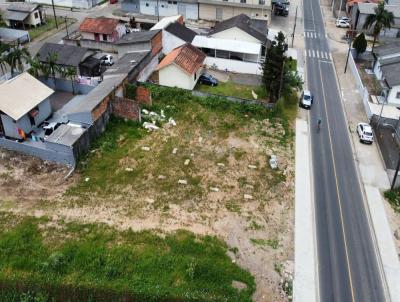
(348, 267)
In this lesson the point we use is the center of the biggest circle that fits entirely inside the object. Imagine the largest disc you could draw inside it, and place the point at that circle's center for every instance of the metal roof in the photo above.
(21, 94)
(369, 8)
(391, 73)
(181, 31)
(164, 22)
(11, 34)
(227, 45)
(17, 16)
(65, 135)
(137, 37)
(387, 49)
(67, 55)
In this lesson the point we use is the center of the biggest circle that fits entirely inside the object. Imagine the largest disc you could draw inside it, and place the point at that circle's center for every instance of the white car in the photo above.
(344, 18)
(342, 23)
(306, 99)
(364, 132)
(107, 60)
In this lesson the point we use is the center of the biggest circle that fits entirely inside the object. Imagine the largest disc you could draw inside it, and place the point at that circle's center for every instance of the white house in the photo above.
(187, 8)
(102, 29)
(22, 15)
(182, 67)
(174, 33)
(24, 105)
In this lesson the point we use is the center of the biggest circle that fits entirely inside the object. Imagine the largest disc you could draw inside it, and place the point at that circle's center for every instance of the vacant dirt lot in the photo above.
(208, 174)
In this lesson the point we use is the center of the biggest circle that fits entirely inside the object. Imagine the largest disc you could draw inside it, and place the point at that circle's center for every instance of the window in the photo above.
(174, 2)
(162, 5)
(242, 1)
(147, 5)
(225, 0)
(195, 76)
(104, 37)
(36, 15)
(169, 2)
(398, 95)
(223, 54)
(261, 2)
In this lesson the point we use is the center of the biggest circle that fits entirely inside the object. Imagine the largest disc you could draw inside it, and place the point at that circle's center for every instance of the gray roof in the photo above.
(127, 63)
(17, 16)
(181, 31)
(11, 34)
(387, 49)
(137, 37)
(255, 28)
(22, 7)
(67, 55)
(66, 135)
(391, 74)
(369, 8)
(390, 61)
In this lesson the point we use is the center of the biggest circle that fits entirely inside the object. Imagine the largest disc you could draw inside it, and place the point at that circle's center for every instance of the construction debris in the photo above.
(273, 162)
(247, 196)
(174, 150)
(146, 148)
(182, 181)
(252, 167)
(220, 165)
(214, 189)
(150, 126)
(187, 162)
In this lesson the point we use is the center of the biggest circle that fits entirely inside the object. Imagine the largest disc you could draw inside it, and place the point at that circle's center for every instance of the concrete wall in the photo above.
(125, 48)
(44, 112)
(235, 34)
(233, 65)
(126, 108)
(131, 6)
(148, 70)
(208, 11)
(69, 3)
(173, 76)
(66, 85)
(170, 42)
(103, 46)
(392, 97)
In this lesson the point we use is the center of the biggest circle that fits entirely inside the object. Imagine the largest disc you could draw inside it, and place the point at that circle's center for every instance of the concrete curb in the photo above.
(304, 284)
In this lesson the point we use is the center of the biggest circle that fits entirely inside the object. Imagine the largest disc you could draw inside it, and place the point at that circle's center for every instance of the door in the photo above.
(97, 37)
(218, 13)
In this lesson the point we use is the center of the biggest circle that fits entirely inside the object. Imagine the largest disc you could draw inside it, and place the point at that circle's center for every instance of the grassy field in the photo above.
(36, 32)
(232, 89)
(132, 264)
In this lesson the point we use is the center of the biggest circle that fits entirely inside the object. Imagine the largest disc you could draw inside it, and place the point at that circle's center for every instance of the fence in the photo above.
(362, 90)
(66, 85)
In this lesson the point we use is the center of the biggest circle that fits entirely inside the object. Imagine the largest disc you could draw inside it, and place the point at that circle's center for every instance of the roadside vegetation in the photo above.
(230, 88)
(393, 197)
(71, 260)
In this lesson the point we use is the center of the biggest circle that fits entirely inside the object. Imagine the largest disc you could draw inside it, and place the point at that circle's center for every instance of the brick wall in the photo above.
(156, 43)
(143, 95)
(126, 108)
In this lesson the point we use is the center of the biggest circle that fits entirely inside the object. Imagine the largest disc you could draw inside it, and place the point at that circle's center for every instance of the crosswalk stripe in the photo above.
(313, 53)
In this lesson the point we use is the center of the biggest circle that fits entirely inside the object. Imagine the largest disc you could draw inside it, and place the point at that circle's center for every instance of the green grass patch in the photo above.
(110, 265)
(232, 89)
(393, 197)
(36, 32)
(265, 242)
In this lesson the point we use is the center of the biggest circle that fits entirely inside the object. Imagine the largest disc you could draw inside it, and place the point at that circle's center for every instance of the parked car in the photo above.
(344, 18)
(306, 99)
(49, 128)
(342, 23)
(364, 132)
(281, 10)
(208, 79)
(107, 60)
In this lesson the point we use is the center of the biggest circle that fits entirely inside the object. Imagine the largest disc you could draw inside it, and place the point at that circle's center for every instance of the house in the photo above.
(360, 12)
(164, 22)
(163, 8)
(140, 41)
(182, 67)
(218, 10)
(76, 57)
(102, 29)
(237, 44)
(24, 15)
(24, 105)
(386, 68)
(175, 35)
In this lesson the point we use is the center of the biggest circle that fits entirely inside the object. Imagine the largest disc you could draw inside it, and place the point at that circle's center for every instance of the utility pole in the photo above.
(348, 55)
(380, 114)
(54, 13)
(66, 25)
(395, 174)
(294, 26)
(158, 11)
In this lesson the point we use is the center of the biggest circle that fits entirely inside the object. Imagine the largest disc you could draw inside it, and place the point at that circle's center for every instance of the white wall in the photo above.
(173, 76)
(148, 70)
(68, 3)
(235, 34)
(168, 8)
(392, 97)
(170, 42)
(233, 65)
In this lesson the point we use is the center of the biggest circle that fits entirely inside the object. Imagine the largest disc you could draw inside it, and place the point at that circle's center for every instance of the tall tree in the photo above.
(36, 66)
(3, 63)
(70, 73)
(382, 19)
(360, 43)
(16, 57)
(51, 67)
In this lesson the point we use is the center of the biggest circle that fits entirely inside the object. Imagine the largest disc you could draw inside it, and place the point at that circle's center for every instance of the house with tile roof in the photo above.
(102, 29)
(182, 67)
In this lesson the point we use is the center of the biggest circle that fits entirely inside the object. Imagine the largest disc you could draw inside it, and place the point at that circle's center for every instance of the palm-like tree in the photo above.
(16, 57)
(36, 66)
(70, 73)
(51, 67)
(382, 19)
(3, 63)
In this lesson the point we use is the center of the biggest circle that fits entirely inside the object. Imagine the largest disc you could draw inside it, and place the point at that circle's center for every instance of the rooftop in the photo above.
(391, 72)
(227, 45)
(66, 135)
(164, 22)
(255, 28)
(101, 25)
(387, 49)
(21, 94)
(67, 55)
(369, 8)
(127, 63)
(181, 31)
(187, 57)
(137, 37)
(22, 7)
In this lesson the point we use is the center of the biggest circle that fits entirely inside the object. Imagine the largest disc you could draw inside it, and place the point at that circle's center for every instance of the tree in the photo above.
(3, 63)
(70, 73)
(360, 43)
(51, 67)
(16, 57)
(382, 19)
(36, 66)
(277, 74)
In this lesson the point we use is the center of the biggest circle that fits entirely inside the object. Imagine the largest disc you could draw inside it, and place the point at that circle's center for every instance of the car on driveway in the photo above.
(208, 79)
(364, 132)
(107, 60)
(344, 18)
(342, 23)
(281, 10)
(306, 99)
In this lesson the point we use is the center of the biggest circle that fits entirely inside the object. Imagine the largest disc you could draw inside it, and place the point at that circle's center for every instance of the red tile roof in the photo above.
(187, 57)
(101, 25)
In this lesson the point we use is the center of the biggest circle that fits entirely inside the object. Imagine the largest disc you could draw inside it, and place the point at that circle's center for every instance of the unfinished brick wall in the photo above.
(126, 108)
(143, 95)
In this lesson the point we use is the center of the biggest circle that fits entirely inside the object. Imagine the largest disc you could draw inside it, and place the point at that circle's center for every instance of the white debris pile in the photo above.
(152, 118)
(273, 162)
(150, 126)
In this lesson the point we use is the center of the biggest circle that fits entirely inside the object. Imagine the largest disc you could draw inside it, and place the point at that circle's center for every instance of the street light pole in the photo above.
(294, 26)
(348, 55)
(158, 11)
(54, 13)
(66, 25)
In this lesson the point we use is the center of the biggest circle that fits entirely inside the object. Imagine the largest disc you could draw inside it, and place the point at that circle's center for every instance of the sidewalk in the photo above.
(371, 170)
